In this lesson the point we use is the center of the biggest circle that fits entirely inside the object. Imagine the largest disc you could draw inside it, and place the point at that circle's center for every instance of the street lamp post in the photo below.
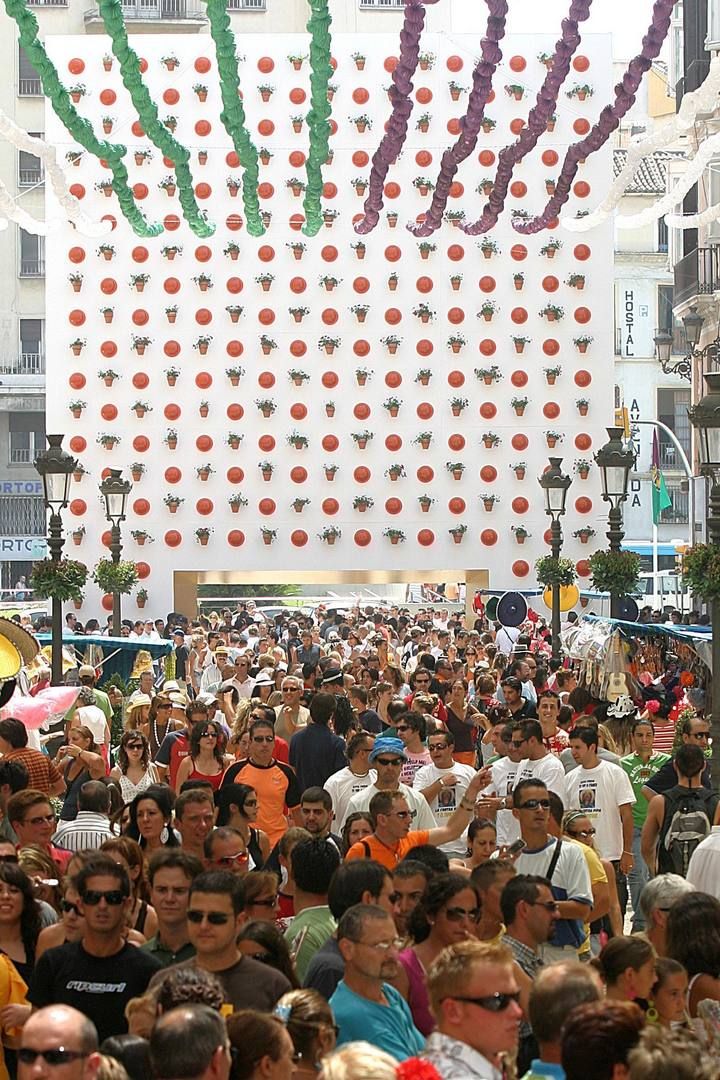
(555, 485)
(705, 419)
(615, 461)
(56, 467)
(115, 492)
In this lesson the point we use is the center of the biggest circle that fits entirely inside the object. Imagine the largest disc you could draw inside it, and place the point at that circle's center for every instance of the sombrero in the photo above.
(17, 648)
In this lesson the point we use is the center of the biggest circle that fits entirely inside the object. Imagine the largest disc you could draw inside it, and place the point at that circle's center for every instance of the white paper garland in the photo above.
(704, 99)
(31, 144)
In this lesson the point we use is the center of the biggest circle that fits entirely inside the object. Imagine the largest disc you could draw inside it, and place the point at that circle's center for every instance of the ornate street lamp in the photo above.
(115, 492)
(55, 468)
(555, 486)
(616, 460)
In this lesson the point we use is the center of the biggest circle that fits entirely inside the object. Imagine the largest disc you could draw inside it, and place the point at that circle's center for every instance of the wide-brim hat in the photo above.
(17, 648)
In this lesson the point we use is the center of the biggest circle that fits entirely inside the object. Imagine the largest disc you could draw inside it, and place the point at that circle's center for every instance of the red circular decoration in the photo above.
(423, 158)
(233, 222)
(330, 443)
(488, 474)
(583, 378)
(298, 411)
(518, 252)
(550, 157)
(520, 568)
(266, 506)
(78, 444)
(76, 66)
(140, 191)
(361, 285)
(517, 125)
(520, 505)
(393, 443)
(393, 379)
(265, 190)
(234, 348)
(265, 64)
(202, 65)
(362, 474)
(266, 253)
(266, 379)
(171, 285)
(488, 410)
(551, 347)
(455, 315)
(488, 537)
(582, 252)
(329, 253)
(550, 283)
(141, 443)
(453, 126)
(424, 410)
(519, 315)
(298, 474)
(583, 441)
(361, 347)
(235, 475)
(425, 474)
(581, 189)
(109, 412)
(298, 537)
(518, 189)
(519, 442)
(236, 538)
(77, 380)
(76, 317)
(203, 380)
(424, 347)
(203, 316)
(393, 506)
(77, 190)
(551, 410)
(266, 316)
(487, 346)
(204, 506)
(456, 442)
(426, 537)
(329, 379)
(173, 475)
(235, 411)
(456, 378)
(582, 315)
(393, 316)
(108, 96)
(424, 284)
(298, 284)
(487, 284)
(583, 567)
(78, 507)
(361, 411)
(581, 63)
(330, 506)
(362, 538)
(203, 190)
(107, 602)
(583, 505)
(266, 443)
(108, 286)
(423, 95)
(392, 190)
(455, 252)
(517, 63)
(360, 158)
(393, 253)
(141, 507)
(329, 316)
(172, 411)
(108, 348)
(457, 505)
(173, 538)
(266, 127)
(581, 126)
(171, 222)
(204, 443)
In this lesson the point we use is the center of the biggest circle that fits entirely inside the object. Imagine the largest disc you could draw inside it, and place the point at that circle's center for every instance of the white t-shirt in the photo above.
(447, 799)
(549, 769)
(599, 793)
(506, 638)
(412, 765)
(422, 814)
(504, 774)
(704, 869)
(341, 786)
(92, 716)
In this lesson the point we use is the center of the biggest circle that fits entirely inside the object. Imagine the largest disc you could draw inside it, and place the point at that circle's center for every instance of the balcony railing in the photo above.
(30, 87)
(47, 3)
(382, 5)
(32, 268)
(697, 274)
(246, 5)
(25, 363)
(30, 177)
(157, 11)
(677, 514)
(21, 455)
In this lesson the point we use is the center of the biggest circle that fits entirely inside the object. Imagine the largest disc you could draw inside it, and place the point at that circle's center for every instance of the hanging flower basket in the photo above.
(63, 580)
(120, 577)
(615, 572)
(551, 571)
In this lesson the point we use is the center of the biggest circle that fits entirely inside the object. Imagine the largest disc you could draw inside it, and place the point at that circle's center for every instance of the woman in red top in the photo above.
(206, 760)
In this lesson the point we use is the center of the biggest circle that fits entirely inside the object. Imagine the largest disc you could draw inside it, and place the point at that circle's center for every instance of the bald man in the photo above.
(58, 1043)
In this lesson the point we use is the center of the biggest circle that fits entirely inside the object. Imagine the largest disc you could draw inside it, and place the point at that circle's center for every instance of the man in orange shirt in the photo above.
(392, 838)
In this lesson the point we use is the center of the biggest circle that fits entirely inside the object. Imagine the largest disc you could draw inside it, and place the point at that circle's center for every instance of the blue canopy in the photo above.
(119, 653)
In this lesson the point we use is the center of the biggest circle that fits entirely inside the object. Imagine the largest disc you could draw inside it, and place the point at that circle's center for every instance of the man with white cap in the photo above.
(387, 757)
(88, 677)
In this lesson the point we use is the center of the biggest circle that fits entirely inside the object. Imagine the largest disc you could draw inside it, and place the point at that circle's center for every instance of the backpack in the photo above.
(688, 820)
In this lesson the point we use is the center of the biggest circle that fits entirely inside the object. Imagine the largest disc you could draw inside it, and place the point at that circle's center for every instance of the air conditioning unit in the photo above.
(712, 41)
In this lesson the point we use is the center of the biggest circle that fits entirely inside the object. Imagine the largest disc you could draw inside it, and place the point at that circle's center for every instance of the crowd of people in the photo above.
(367, 844)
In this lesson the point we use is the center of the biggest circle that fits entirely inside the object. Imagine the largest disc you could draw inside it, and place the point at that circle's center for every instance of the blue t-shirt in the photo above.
(389, 1027)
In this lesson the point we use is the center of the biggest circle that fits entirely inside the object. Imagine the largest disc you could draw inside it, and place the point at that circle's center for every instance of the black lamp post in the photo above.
(555, 485)
(115, 492)
(56, 467)
(615, 460)
(705, 419)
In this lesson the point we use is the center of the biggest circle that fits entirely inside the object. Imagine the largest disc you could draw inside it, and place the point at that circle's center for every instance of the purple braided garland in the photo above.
(393, 140)
(538, 118)
(609, 118)
(491, 55)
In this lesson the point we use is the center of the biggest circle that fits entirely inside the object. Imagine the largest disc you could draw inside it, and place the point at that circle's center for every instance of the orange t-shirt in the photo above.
(372, 848)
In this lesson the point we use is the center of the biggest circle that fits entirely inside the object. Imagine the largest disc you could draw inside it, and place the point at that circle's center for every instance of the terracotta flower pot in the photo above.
(77, 538)
(140, 286)
(139, 413)
(550, 125)
(582, 347)
(107, 255)
(455, 95)
(551, 379)
(202, 157)
(77, 477)
(392, 348)
(139, 159)
(234, 444)
(137, 476)
(455, 410)
(108, 316)
(297, 126)
(265, 285)
(552, 442)
(424, 380)
(425, 444)
(392, 220)
(455, 284)
(424, 507)
(520, 537)
(329, 475)
(330, 540)
(488, 505)
(172, 444)
(234, 380)
(76, 349)
(329, 349)
(108, 381)
(519, 410)
(297, 253)
(107, 127)
(360, 65)
(361, 444)
(583, 473)
(171, 380)
(519, 474)
(77, 604)
(583, 410)
(267, 474)
(550, 188)
(394, 540)
(519, 282)
(203, 540)
(140, 350)
(140, 540)
(329, 410)
(392, 284)
(204, 410)
(487, 253)
(266, 350)
(202, 349)
(234, 316)
(265, 158)
(488, 444)
(267, 540)
(457, 538)
(107, 65)
(361, 380)
(457, 474)
(77, 286)
(550, 253)
(583, 538)
(361, 315)
(203, 286)
(172, 507)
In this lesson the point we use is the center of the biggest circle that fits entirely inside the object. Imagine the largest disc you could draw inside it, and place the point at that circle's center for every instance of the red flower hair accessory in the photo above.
(652, 706)
(417, 1069)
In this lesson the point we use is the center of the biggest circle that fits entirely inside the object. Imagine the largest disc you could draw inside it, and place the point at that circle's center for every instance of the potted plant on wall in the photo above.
(171, 439)
(457, 404)
(234, 438)
(265, 281)
(329, 535)
(552, 374)
(204, 471)
(362, 438)
(76, 280)
(584, 534)
(267, 406)
(552, 438)
(458, 532)
(489, 375)
(171, 312)
(173, 502)
(583, 467)
(331, 470)
(141, 597)
(202, 344)
(392, 404)
(77, 535)
(330, 408)
(267, 469)
(140, 408)
(268, 535)
(488, 248)
(391, 342)
(137, 471)
(424, 376)
(582, 342)
(202, 535)
(395, 471)
(490, 440)
(363, 375)
(520, 342)
(78, 473)
(267, 344)
(583, 405)
(550, 249)
(425, 502)
(576, 281)
(521, 533)
(395, 536)
(489, 500)
(455, 282)
(78, 345)
(297, 441)
(236, 502)
(518, 280)
(76, 408)
(423, 440)
(141, 537)
(519, 404)
(107, 440)
(360, 311)
(362, 503)
(519, 468)
(298, 377)
(140, 343)
(298, 504)
(235, 374)
(108, 376)
(172, 374)
(456, 342)
(455, 468)
(552, 313)
(139, 281)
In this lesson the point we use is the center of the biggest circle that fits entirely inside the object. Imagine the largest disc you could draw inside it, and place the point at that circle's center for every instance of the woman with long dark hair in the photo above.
(238, 807)
(264, 942)
(447, 913)
(206, 760)
(150, 816)
(693, 939)
(134, 772)
(19, 918)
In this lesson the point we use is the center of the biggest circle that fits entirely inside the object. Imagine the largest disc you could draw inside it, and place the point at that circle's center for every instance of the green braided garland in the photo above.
(111, 12)
(317, 119)
(233, 114)
(80, 128)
